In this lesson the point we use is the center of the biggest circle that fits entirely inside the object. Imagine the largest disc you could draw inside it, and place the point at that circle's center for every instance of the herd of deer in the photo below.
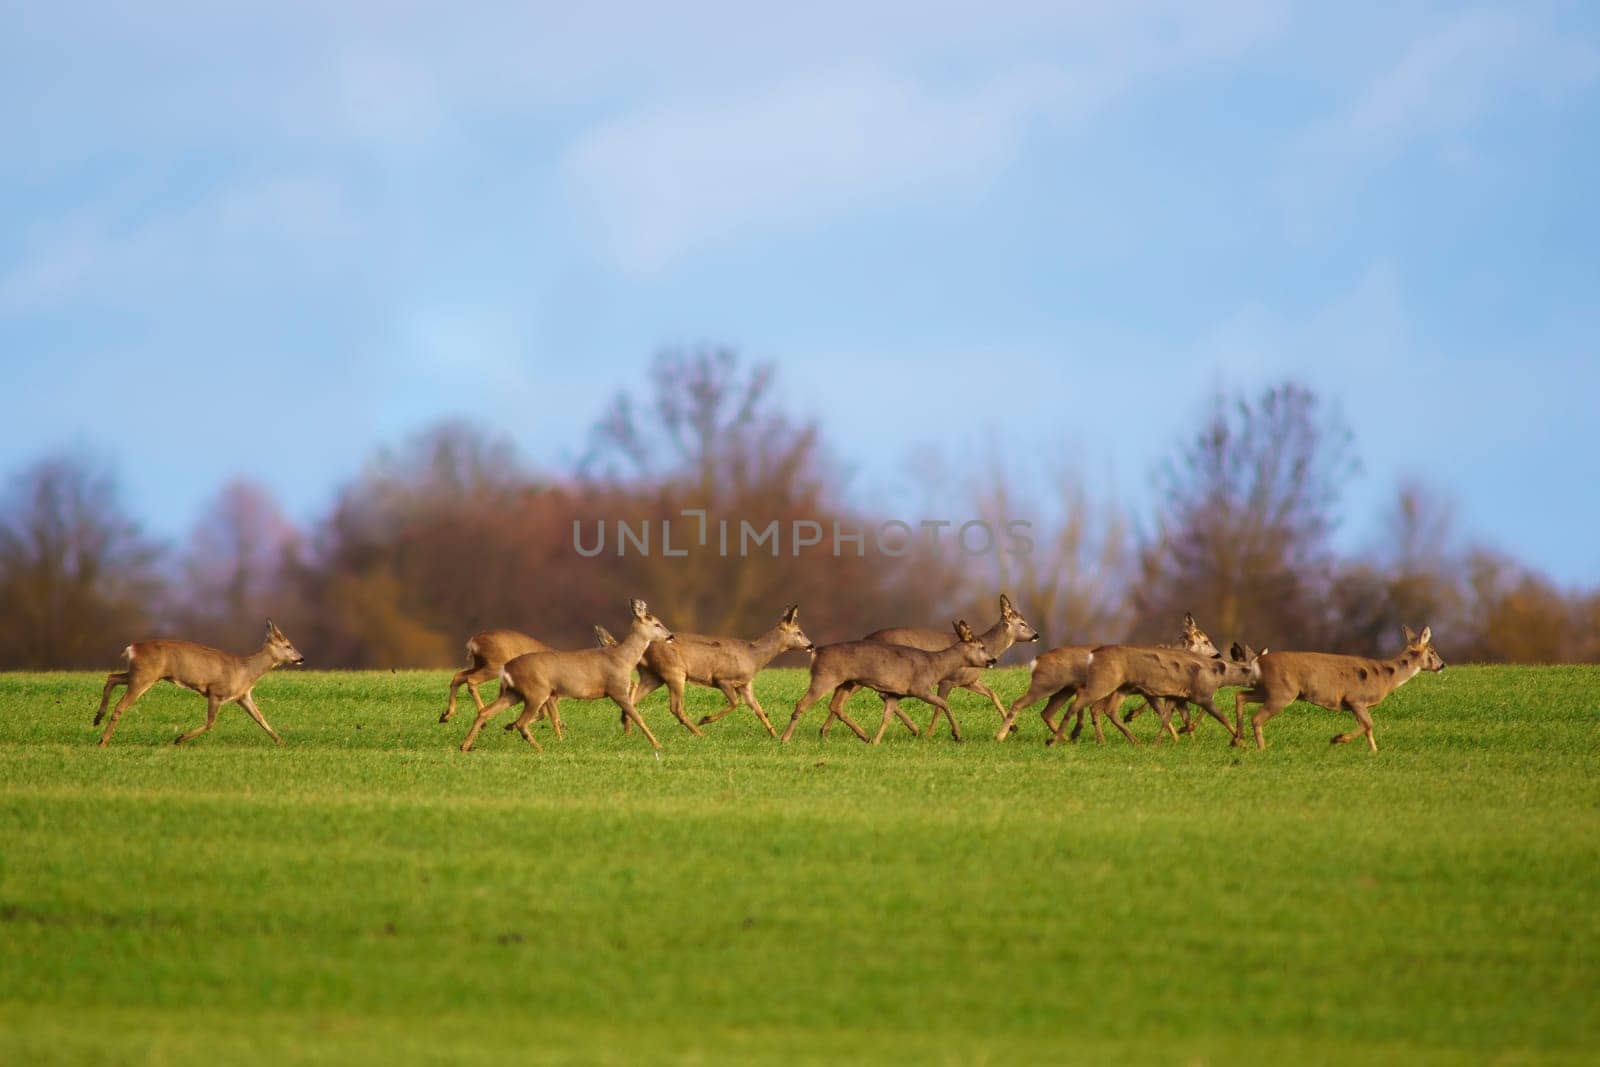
(895, 663)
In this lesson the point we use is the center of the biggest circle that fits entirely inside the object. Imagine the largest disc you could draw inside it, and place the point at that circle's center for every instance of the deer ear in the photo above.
(1238, 652)
(640, 609)
(1188, 621)
(792, 612)
(272, 629)
(1425, 636)
(1405, 631)
(1005, 603)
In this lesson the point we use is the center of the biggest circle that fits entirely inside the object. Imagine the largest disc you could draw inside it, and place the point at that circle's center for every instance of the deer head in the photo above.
(1422, 646)
(1195, 639)
(975, 655)
(652, 627)
(280, 647)
(1016, 625)
(789, 629)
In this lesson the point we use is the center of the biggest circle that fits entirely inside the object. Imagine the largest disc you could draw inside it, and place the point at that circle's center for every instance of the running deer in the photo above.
(669, 671)
(1340, 683)
(220, 677)
(488, 651)
(1192, 639)
(1060, 672)
(1160, 675)
(894, 671)
(728, 664)
(1007, 631)
(535, 678)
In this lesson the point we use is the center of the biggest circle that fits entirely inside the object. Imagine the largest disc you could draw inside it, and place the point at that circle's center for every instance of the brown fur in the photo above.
(1160, 675)
(1008, 630)
(535, 678)
(1340, 683)
(893, 671)
(728, 664)
(488, 651)
(1060, 673)
(220, 677)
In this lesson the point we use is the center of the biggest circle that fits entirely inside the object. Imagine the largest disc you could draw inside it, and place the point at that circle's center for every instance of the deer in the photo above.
(894, 671)
(221, 677)
(1192, 639)
(670, 667)
(537, 678)
(1007, 631)
(1355, 684)
(487, 652)
(728, 664)
(1060, 672)
(1161, 675)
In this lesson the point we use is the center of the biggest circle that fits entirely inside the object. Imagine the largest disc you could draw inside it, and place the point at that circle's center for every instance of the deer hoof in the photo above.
(444, 716)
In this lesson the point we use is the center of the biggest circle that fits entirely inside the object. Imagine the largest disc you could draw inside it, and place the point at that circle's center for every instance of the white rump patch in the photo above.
(127, 653)
(1032, 663)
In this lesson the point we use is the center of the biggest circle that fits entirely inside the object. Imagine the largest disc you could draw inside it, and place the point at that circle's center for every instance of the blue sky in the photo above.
(265, 241)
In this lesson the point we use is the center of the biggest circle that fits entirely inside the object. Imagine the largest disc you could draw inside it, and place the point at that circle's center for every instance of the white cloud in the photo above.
(96, 255)
(667, 179)
(1453, 77)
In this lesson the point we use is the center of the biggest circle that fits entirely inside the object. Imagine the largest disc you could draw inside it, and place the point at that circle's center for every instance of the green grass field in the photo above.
(368, 891)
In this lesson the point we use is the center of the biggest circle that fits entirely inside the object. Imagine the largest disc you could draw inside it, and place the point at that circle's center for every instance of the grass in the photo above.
(368, 891)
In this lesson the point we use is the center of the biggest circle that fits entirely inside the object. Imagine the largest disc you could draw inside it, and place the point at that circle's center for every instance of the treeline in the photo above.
(451, 531)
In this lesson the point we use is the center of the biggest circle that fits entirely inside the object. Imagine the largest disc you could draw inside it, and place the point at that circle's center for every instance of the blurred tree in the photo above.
(1072, 584)
(233, 568)
(1242, 539)
(78, 581)
(710, 434)
(419, 551)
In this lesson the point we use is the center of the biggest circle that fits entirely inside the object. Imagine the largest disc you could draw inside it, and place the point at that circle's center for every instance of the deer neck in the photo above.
(767, 647)
(950, 658)
(1405, 667)
(259, 662)
(997, 638)
(630, 650)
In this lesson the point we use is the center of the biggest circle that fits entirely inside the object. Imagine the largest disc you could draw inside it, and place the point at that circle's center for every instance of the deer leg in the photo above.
(1034, 693)
(499, 704)
(1112, 705)
(1133, 712)
(721, 713)
(889, 704)
(248, 703)
(1079, 699)
(1363, 728)
(675, 705)
(748, 691)
(648, 682)
(944, 692)
(212, 704)
(855, 727)
(810, 697)
(1264, 716)
(137, 687)
(983, 690)
(533, 706)
(1240, 699)
(1209, 706)
(1058, 698)
(114, 679)
(942, 707)
(840, 695)
(629, 710)
(469, 677)
(1164, 709)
